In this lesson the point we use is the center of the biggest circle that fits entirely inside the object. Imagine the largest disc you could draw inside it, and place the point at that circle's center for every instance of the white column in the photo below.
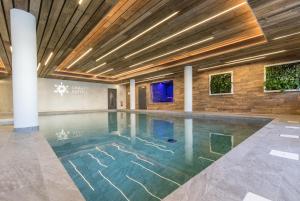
(188, 89)
(24, 73)
(132, 127)
(188, 146)
(132, 94)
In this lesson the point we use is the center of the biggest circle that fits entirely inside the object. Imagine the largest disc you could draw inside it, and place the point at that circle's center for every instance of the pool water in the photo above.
(129, 156)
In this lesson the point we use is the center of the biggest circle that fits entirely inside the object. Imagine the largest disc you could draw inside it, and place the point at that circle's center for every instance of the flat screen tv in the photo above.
(162, 92)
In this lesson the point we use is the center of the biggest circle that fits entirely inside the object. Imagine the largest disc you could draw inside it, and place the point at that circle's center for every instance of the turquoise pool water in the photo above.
(126, 156)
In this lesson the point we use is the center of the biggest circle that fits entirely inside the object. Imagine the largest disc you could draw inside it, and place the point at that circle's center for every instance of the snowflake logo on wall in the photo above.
(61, 89)
(62, 135)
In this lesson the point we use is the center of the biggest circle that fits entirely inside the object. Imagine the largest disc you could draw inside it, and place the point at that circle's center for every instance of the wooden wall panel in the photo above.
(248, 97)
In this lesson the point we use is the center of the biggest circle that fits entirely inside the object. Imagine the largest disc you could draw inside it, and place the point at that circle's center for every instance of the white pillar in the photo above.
(188, 146)
(132, 127)
(24, 70)
(188, 89)
(132, 94)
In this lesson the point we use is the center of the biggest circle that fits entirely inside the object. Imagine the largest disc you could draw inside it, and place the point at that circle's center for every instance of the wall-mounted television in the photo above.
(162, 92)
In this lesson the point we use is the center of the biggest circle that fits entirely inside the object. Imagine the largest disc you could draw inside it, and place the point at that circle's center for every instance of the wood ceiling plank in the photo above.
(43, 18)
(21, 4)
(50, 26)
(75, 31)
(34, 8)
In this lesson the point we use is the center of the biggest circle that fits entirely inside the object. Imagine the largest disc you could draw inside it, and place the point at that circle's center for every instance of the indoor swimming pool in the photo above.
(114, 156)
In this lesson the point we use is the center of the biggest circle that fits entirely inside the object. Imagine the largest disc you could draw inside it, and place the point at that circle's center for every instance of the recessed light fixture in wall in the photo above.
(171, 52)
(48, 59)
(83, 55)
(11, 50)
(104, 72)
(103, 64)
(139, 35)
(286, 36)
(186, 29)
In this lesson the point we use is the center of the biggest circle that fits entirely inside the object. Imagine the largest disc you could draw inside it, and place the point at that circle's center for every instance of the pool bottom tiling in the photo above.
(128, 156)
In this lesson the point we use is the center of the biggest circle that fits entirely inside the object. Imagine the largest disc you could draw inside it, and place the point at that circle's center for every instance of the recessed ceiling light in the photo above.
(48, 59)
(103, 64)
(104, 72)
(139, 35)
(80, 1)
(186, 29)
(285, 36)
(174, 51)
(83, 55)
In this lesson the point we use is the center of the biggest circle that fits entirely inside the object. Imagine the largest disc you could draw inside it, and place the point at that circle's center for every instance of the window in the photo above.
(282, 77)
(162, 92)
(220, 84)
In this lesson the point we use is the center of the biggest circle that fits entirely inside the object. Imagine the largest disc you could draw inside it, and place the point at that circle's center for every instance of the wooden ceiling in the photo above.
(113, 41)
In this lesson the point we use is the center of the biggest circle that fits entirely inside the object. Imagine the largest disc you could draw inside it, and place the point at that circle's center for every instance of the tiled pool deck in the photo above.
(264, 167)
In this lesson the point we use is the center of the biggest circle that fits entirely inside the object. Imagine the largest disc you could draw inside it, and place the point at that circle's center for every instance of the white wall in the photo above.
(78, 96)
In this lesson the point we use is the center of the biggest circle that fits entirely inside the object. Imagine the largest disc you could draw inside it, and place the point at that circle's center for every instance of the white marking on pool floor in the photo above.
(144, 187)
(113, 185)
(81, 175)
(97, 159)
(107, 154)
(155, 173)
(293, 127)
(283, 154)
(253, 197)
(290, 136)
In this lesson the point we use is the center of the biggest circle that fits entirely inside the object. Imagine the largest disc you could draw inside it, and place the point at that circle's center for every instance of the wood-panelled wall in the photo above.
(248, 97)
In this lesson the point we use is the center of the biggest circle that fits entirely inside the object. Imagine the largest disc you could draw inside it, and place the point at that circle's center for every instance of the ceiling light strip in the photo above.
(83, 55)
(139, 35)
(103, 64)
(104, 72)
(72, 76)
(286, 36)
(186, 29)
(48, 59)
(38, 67)
(246, 60)
(174, 51)
(159, 76)
(228, 64)
(267, 54)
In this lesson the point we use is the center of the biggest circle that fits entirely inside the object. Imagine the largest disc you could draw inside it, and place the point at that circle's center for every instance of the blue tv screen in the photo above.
(162, 92)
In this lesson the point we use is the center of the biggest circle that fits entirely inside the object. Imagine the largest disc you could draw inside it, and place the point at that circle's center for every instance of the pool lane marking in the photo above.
(155, 173)
(107, 154)
(113, 185)
(143, 187)
(148, 142)
(166, 150)
(290, 136)
(287, 155)
(129, 152)
(293, 127)
(206, 159)
(86, 181)
(97, 159)
(254, 197)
